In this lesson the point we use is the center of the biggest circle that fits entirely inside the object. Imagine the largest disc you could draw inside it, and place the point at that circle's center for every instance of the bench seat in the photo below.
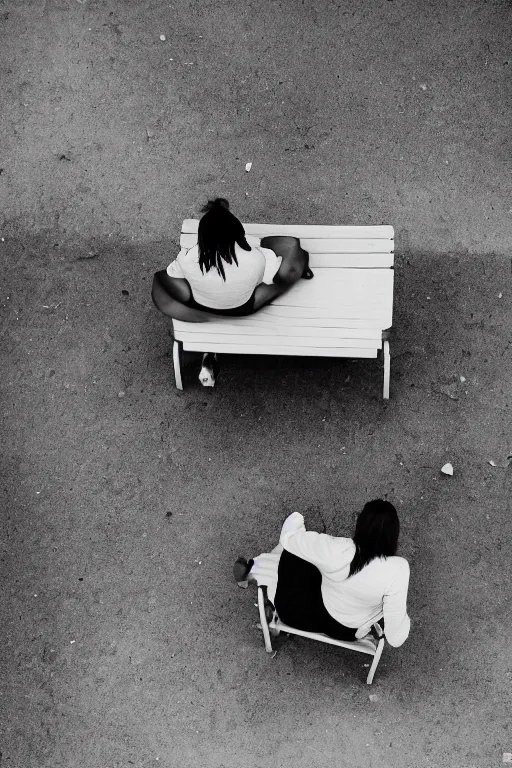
(342, 312)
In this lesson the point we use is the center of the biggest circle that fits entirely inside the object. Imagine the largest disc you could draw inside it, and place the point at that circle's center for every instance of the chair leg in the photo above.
(387, 368)
(176, 354)
(375, 662)
(263, 620)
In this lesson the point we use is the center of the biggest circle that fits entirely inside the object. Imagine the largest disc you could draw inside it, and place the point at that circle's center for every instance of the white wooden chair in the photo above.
(343, 312)
(364, 645)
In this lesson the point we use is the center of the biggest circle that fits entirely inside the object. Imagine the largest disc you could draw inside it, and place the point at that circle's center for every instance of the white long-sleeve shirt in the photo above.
(377, 590)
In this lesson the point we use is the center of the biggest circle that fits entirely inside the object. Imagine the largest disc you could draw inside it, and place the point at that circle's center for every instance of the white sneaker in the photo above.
(209, 369)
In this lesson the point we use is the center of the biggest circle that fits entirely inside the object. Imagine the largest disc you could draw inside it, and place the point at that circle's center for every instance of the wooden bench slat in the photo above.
(254, 349)
(305, 230)
(328, 245)
(189, 330)
(279, 341)
(330, 312)
(358, 278)
(351, 260)
(273, 340)
(257, 320)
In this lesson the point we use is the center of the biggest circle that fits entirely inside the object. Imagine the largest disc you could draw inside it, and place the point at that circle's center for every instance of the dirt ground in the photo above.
(125, 640)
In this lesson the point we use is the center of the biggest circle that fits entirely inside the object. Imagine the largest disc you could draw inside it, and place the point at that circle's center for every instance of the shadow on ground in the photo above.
(126, 503)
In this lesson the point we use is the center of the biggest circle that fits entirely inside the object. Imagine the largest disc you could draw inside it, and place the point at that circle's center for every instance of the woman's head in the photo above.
(218, 232)
(376, 534)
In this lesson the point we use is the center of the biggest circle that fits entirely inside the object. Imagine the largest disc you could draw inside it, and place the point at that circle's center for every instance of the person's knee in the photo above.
(284, 241)
(288, 274)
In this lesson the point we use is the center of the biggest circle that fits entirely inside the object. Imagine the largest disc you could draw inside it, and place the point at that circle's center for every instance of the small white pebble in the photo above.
(423, 87)
(463, 379)
(162, 38)
(248, 167)
(72, 641)
(500, 295)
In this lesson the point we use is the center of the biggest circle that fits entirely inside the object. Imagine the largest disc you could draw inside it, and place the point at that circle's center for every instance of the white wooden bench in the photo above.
(342, 312)
(365, 645)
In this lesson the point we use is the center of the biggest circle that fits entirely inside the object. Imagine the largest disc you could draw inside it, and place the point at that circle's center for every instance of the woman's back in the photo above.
(240, 279)
(380, 587)
(357, 600)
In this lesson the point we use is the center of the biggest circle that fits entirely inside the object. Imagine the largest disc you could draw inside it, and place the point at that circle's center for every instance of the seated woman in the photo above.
(224, 275)
(333, 585)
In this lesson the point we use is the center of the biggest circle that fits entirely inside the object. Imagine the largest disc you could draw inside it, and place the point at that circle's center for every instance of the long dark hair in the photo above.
(376, 535)
(218, 232)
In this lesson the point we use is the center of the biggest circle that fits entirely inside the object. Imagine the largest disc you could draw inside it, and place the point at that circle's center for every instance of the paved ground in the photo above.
(125, 640)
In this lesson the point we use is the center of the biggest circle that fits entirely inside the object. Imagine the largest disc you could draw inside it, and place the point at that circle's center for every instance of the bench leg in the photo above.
(263, 621)
(176, 354)
(375, 662)
(387, 368)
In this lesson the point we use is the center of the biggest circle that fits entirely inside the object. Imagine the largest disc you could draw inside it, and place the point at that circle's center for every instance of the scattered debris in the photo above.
(168, 514)
(90, 255)
(447, 469)
(500, 295)
(423, 86)
(492, 463)
(448, 390)
(120, 394)
(373, 697)
(248, 167)
(163, 38)
(125, 292)
(462, 379)
(65, 157)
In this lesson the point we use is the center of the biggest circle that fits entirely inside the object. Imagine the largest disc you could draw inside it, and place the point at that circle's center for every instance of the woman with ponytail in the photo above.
(222, 274)
(334, 585)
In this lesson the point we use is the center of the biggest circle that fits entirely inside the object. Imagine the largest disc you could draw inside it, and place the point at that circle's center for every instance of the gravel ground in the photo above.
(125, 640)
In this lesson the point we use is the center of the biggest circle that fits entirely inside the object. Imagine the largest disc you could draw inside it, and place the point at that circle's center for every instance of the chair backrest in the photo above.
(361, 646)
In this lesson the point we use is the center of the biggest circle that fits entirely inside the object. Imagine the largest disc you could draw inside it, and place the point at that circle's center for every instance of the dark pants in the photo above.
(299, 599)
(244, 309)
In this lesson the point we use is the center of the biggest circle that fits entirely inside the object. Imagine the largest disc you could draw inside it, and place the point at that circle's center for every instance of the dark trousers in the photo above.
(299, 599)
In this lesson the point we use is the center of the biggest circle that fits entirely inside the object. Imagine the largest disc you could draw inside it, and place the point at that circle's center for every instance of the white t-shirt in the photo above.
(378, 590)
(259, 265)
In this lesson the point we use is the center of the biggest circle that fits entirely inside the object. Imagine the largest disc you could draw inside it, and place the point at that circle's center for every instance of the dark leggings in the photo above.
(299, 599)
(244, 309)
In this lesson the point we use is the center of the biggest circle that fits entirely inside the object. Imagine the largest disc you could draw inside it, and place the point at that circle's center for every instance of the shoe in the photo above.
(241, 570)
(209, 370)
(308, 274)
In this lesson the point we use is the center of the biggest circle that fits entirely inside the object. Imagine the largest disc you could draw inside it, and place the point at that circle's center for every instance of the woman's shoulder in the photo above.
(188, 253)
(397, 564)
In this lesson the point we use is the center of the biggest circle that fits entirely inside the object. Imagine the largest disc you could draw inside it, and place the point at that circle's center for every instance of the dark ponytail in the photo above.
(219, 230)
(376, 535)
